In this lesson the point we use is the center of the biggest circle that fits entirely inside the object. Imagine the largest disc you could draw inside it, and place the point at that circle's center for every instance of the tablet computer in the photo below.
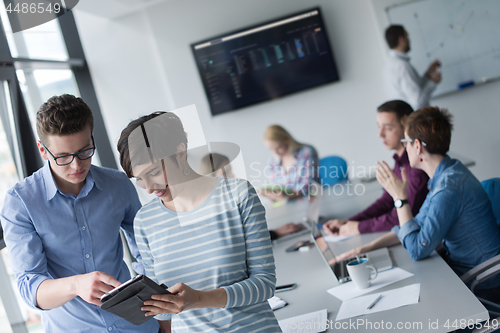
(127, 299)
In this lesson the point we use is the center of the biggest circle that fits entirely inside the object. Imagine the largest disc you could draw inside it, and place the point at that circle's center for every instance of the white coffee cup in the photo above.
(360, 273)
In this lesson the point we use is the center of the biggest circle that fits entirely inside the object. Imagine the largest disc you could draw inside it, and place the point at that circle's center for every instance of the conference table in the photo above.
(444, 301)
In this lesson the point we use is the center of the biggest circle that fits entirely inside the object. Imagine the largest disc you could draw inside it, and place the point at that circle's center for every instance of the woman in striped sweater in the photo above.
(205, 237)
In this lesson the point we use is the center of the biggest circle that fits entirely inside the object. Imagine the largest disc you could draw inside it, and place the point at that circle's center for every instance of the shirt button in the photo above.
(83, 228)
(424, 244)
(110, 328)
(88, 256)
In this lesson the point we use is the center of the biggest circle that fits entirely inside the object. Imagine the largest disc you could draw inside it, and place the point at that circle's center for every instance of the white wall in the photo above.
(125, 68)
(476, 113)
(143, 62)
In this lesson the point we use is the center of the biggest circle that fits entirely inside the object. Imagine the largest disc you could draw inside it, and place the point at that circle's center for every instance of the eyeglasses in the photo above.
(405, 141)
(68, 159)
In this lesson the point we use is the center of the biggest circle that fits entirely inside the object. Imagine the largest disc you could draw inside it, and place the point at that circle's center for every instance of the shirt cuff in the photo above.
(395, 229)
(163, 316)
(431, 85)
(34, 286)
(406, 229)
(231, 297)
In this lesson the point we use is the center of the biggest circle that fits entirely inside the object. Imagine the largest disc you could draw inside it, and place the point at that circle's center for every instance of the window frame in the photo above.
(22, 130)
(77, 63)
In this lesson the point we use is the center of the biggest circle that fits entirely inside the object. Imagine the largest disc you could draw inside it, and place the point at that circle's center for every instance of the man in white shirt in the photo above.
(401, 79)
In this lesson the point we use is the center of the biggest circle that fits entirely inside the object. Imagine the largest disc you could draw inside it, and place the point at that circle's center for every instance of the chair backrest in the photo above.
(492, 187)
(332, 169)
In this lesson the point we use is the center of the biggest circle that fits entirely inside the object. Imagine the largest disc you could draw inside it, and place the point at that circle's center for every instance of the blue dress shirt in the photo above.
(458, 211)
(51, 234)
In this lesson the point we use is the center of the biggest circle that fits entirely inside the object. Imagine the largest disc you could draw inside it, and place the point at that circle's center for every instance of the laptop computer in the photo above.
(315, 194)
(379, 258)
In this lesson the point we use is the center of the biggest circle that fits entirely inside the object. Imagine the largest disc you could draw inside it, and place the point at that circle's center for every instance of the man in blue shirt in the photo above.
(62, 225)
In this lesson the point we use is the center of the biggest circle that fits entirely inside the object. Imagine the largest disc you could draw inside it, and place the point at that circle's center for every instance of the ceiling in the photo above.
(114, 8)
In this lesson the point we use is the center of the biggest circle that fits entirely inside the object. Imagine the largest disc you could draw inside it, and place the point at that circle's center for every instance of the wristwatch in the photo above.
(398, 203)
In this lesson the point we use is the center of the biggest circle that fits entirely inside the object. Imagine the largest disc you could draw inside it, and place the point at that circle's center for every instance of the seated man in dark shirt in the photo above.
(381, 215)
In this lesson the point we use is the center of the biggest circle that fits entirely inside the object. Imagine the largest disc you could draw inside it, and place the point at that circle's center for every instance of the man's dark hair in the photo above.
(400, 108)
(63, 115)
(392, 35)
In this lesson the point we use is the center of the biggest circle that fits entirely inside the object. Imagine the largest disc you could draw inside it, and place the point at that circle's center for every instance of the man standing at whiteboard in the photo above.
(401, 79)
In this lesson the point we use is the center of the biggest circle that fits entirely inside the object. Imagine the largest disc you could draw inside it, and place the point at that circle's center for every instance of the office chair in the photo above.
(332, 169)
(490, 267)
(492, 187)
(481, 273)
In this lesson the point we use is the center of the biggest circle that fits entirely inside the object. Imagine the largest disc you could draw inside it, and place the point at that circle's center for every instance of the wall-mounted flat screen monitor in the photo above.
(265, 61)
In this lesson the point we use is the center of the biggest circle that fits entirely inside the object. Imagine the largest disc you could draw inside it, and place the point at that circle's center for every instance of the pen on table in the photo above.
(374, 302)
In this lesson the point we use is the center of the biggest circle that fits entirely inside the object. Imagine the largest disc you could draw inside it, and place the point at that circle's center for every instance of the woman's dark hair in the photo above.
(431, 125)
(145, 140)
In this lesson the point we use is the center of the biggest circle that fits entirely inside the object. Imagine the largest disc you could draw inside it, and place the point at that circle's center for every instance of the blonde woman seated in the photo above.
(293, 165)
(204, 237)
(219, 166)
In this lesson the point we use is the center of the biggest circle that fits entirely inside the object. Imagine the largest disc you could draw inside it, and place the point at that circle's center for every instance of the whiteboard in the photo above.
(463, 34)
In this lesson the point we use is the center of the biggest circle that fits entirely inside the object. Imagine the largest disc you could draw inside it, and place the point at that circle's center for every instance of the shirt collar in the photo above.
(91, 180)
(51, 186)
(439, 170)
(398, 54)
(49, 182)
(294, 153)
(403, 159)
(95, 178)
